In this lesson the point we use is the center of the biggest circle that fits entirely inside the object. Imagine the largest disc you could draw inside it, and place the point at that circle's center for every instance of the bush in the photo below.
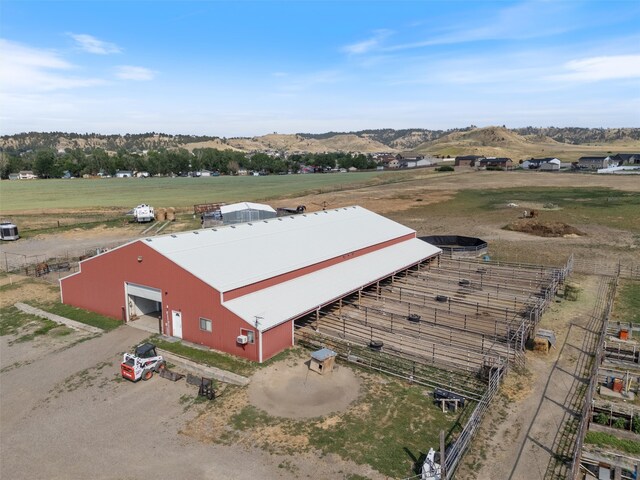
(620, 423)
(636, 424)
(445, 168)
(602, 419)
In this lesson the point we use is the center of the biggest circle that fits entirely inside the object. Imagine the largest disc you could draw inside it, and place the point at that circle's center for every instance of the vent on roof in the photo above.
(250, 224)
(265, 221)
(291, 218)
(148, 239)
(196, 233)
(214, 229)
(315, 213)
(174, 236)
(233, 226)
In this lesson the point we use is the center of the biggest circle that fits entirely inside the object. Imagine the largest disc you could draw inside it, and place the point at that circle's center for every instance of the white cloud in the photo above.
(367, 45)
(91, 44)
(27, 69)
(593, 69)
(129, 72)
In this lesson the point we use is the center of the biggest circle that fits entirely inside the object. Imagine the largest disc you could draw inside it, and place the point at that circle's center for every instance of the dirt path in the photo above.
(525, 434)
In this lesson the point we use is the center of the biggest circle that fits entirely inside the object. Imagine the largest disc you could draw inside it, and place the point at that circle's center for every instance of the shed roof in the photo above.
(236, 207)
(238, 255)
(294, 298)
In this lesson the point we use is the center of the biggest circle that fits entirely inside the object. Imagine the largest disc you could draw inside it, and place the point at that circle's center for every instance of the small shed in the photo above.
(322, 361)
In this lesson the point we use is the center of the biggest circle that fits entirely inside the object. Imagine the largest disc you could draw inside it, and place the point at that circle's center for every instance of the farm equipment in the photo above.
(142, 363)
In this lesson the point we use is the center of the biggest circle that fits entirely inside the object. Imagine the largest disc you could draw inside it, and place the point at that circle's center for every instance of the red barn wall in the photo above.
(100, 287)
(277, 339)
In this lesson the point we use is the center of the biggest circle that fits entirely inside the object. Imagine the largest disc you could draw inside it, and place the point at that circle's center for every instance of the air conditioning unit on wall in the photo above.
(242, 339)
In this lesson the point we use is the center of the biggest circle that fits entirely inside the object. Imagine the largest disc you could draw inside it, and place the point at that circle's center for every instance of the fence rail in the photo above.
(603, 309)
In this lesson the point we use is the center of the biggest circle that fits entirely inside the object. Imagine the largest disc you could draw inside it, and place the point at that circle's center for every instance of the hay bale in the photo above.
(171, 214)
(541, 344)
(571, 291)
(161, 214)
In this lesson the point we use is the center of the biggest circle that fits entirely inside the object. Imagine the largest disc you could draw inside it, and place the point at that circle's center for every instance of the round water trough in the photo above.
(458, 245)
(376, 345)
(441, 298)
(464, 283)
(414, 318)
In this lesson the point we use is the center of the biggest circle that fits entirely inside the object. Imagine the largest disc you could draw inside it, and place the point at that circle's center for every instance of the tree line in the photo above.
(48, 163)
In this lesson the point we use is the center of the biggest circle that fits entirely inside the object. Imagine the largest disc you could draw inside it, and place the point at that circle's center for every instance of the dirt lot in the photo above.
(63, 399)
(290, 390)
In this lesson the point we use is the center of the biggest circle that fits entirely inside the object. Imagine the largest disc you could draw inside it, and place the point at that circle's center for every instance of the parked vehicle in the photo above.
(142, 363)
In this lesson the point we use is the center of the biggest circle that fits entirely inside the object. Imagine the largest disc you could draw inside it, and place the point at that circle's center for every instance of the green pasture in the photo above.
(575, 206)
(176, 192)
(627, 306)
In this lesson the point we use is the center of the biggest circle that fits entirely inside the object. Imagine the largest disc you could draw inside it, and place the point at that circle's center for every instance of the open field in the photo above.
(43, 195)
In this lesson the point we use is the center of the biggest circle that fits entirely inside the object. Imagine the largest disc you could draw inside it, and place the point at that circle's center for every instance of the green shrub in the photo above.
(445, 168)
(620, 423)
(602, 419)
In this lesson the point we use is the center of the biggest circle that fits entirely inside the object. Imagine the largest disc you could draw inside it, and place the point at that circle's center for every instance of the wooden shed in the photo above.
(322, 361)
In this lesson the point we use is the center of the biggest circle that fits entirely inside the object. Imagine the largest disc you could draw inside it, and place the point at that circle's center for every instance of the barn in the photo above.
(239, 288)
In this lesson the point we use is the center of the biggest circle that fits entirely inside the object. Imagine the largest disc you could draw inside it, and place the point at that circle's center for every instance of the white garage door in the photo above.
(144, 292)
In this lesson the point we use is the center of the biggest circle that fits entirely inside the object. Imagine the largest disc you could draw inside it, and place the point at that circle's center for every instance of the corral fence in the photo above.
(458, 448)
(620, 269)
(603, 308)
(48, 268)
(481, 390)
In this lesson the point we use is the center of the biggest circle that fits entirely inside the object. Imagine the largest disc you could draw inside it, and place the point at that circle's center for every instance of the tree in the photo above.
(45, 164)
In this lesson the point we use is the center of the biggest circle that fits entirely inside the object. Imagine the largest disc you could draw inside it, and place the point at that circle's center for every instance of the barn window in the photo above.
(250, 335)
(205, 325)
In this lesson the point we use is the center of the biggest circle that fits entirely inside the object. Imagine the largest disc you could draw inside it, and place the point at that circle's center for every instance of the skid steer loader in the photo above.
(142, 363)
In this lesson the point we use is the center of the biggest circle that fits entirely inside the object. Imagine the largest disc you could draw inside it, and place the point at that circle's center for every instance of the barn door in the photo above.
(176, 320)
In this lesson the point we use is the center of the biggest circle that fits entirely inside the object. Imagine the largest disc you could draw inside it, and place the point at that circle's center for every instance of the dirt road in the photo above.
(67, 414)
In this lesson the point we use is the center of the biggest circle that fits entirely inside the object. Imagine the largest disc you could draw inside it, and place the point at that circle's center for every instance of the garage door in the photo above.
(144, 292)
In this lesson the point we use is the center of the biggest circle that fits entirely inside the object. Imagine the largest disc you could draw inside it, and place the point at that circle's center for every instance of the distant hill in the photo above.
(516, 143)
(502, 142)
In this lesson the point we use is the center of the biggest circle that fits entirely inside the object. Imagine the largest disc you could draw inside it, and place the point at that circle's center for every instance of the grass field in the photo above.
(173, 192)
(581, 205)
(627, 307)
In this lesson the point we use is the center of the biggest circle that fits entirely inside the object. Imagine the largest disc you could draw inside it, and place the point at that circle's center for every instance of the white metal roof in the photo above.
(236, 207)
(233, 256)
(292, 299)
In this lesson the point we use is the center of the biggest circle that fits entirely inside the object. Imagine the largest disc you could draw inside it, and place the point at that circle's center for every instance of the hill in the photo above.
(502, 142)
(566, 143)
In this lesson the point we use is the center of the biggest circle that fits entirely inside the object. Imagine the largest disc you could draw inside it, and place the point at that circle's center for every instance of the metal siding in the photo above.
(144, 292)
(276, 339)
(181, 291)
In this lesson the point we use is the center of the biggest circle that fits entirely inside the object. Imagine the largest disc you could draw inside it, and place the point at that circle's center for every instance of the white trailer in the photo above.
(144, 213)
(8, 231)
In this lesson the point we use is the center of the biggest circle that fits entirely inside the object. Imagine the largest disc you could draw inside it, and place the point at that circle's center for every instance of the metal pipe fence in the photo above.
(604, 306)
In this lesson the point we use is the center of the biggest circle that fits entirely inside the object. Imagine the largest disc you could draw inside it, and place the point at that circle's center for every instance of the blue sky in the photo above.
(249, 68)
